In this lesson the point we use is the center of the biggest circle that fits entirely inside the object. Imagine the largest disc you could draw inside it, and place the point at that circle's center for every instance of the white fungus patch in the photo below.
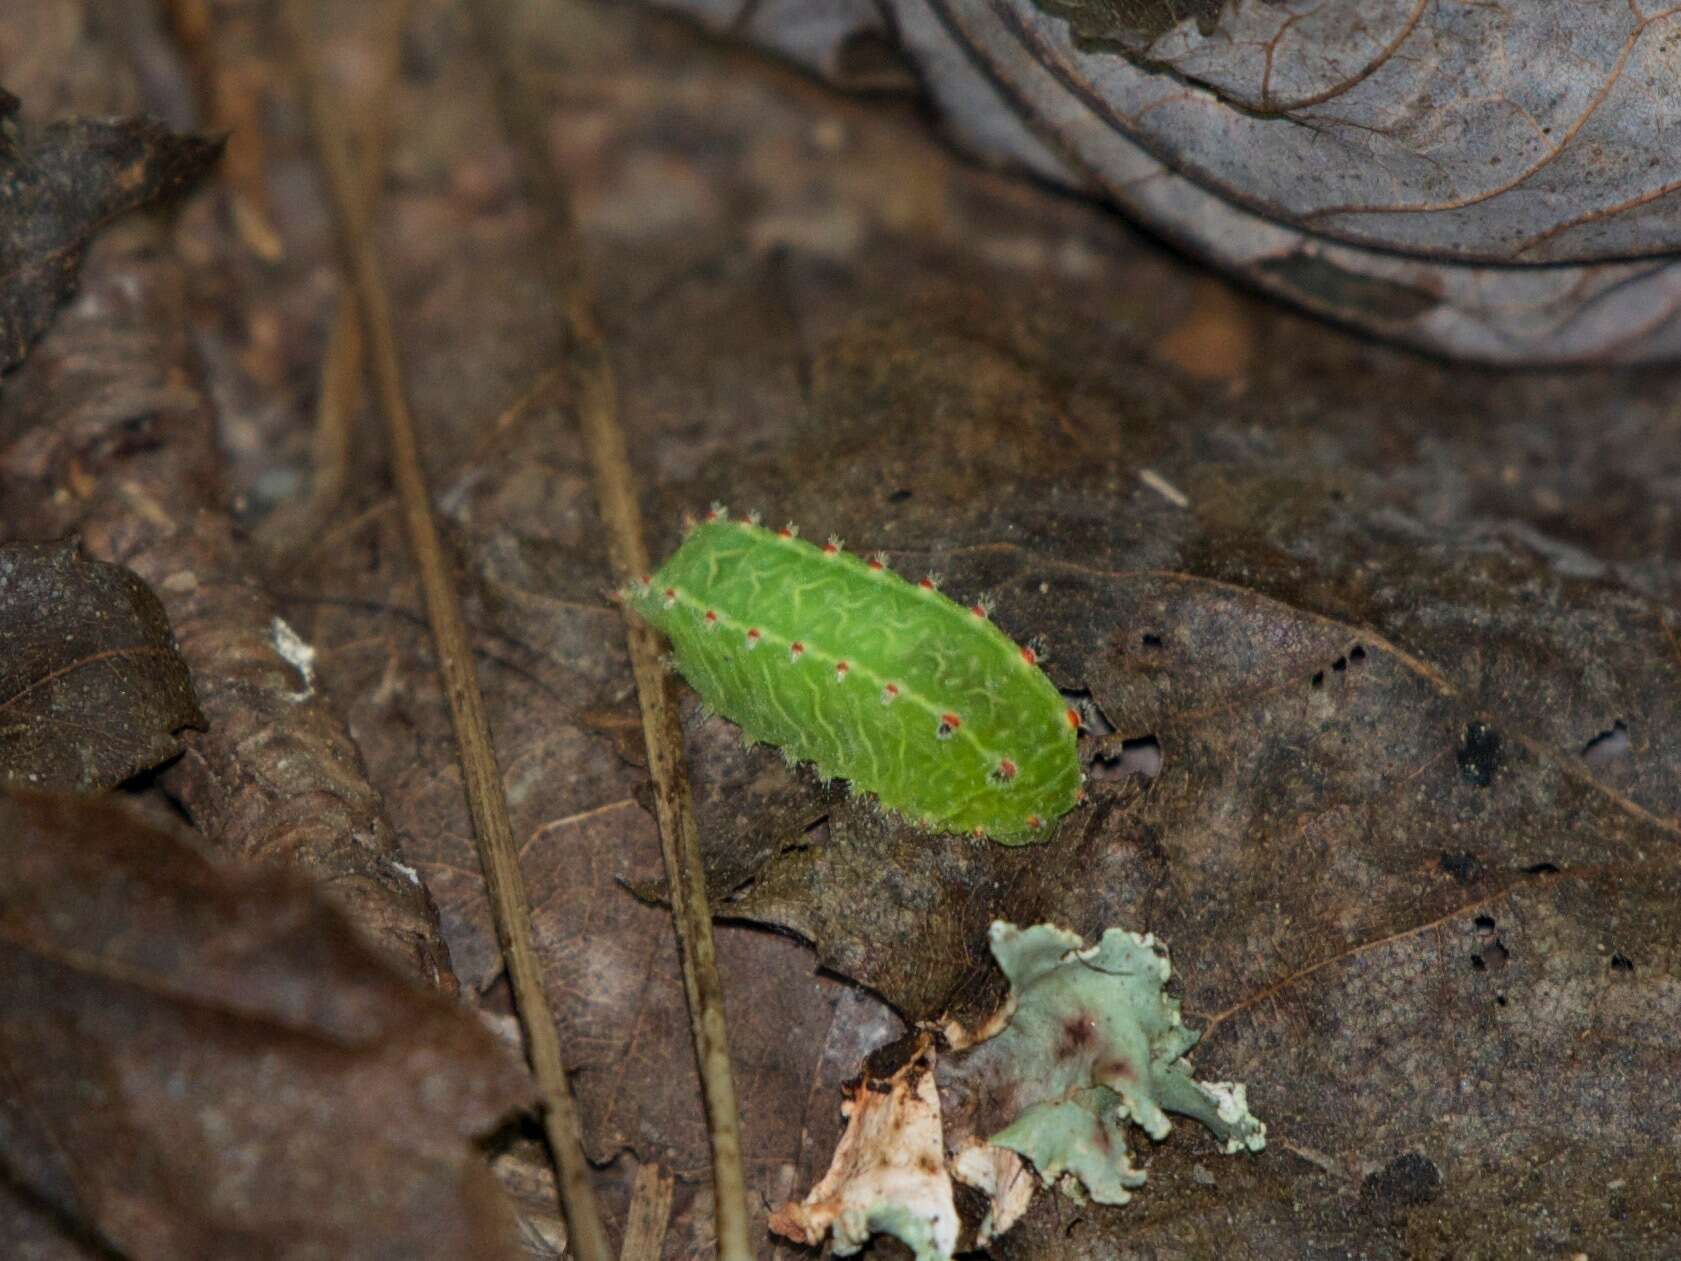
(298, 654)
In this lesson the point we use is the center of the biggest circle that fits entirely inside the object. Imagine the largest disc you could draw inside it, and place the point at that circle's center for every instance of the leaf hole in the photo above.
(1463, 867)
(1541, 869)
(899, 496)
(1620, 962)
(1317, 681)
(1152, 641)
(1479, 754)
(1142, 756)
(1484, 922)
(1356, 655)
(1608, 745)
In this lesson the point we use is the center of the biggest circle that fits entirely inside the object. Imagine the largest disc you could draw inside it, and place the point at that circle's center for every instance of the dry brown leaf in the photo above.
(107, 430)
(60, 182)
(209, 1061)
(92, 687)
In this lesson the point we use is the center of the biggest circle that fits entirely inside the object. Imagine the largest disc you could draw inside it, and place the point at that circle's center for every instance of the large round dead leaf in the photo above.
(1412, 837)
(208, 1062)
(1495, 182)
(92, 689)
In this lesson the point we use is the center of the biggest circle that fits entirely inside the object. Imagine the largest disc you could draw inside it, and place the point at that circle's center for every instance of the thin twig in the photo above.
(650, 1212)
(343, 364)
(595, 395)
(509, 904)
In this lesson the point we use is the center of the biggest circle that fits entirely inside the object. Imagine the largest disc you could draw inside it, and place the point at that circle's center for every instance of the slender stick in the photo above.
(650, 1213)
(497, 854)
(595, 394)
(343, 370)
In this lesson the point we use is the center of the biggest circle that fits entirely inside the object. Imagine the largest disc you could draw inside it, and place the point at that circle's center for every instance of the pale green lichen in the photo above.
(1082, 1137)
(1087, 1041)
(1093, 1040)
(913, 1227)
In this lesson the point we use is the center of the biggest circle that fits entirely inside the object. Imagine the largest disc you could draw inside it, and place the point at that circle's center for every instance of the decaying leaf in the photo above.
(888, 1175)
(107, 431)
(1494, 182)
(1085, 1042)
(59, 184)
(204, 1061)
(92, 687)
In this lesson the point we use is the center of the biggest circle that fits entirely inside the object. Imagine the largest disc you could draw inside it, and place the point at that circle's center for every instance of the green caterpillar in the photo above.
(876, 680)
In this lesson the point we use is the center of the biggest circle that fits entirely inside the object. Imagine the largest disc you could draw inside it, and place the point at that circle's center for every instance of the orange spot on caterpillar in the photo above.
(977, 610)
(788, 531)
(711, 619)
(928, 583)
(1073, 718)
(841, 668)
(978, 833)
(878, 562)
(1035, 822)
(1006, 769)
(950, 720)
(795, 649)
(717, 512)
(831, 548)
(1029, 656)
(670, 596)
(753, 636)
(890, 693)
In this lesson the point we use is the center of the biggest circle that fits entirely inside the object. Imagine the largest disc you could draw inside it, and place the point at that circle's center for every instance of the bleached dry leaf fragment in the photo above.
(888, 1174)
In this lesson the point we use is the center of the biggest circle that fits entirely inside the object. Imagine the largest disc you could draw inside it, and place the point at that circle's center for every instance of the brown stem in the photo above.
(497, 854)
(595, 393)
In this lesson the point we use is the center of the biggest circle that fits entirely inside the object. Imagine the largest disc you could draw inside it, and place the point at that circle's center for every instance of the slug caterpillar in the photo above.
(876, 680)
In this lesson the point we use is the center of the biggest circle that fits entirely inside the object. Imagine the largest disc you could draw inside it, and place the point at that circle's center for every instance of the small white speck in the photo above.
(299, 655)
(407, 872)
(1166, 489)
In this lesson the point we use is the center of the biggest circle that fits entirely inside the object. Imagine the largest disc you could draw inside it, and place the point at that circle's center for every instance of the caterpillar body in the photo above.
(876, 680)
